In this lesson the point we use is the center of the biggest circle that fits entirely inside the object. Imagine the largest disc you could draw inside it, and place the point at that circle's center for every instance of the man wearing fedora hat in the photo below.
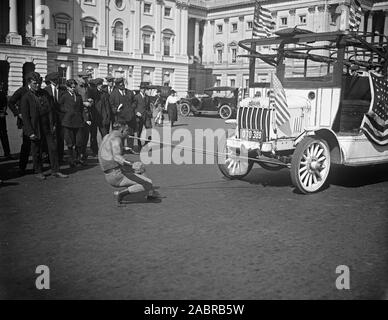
(121, 102)
(39, 123)
(142, 106)
(101, 113)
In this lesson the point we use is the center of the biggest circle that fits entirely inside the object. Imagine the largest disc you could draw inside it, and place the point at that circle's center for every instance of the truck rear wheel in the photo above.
(310, 165)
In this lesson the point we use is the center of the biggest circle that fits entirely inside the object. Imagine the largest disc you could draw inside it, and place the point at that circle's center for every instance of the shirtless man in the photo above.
(120, 172)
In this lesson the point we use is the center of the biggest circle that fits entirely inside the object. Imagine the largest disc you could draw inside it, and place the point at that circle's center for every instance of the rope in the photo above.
(203, 151)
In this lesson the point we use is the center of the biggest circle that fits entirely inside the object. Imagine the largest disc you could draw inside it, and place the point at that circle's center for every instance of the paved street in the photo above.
(208, 238)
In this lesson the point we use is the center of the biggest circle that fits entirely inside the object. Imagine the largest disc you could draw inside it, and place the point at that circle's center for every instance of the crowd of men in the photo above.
(72, 114)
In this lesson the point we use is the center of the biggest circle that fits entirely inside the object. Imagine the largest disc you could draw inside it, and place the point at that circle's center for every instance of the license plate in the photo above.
(250, 134)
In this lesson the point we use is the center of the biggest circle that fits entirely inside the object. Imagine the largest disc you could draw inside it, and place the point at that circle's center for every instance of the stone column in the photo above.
(370, 25)
(13, 37)
(39, 21)
(311, 18)
(184, 33)
(176, 41)
(196, 39)
(292, 22)
(158, 30)
(205, 42)
(386, 23)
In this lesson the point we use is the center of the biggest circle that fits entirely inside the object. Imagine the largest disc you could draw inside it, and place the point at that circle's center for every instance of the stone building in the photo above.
(140, 40)
(216, 26)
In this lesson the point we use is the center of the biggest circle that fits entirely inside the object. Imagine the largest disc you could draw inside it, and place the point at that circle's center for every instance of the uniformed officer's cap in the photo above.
(110, 79)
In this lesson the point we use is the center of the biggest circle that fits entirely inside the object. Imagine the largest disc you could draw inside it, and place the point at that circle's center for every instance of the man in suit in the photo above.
(142, 106)
(83, 90)
(121, 102)
(39, 123)
(111, 84)
(3, 122)
(14, 106)
(101, 111)
(52, 89)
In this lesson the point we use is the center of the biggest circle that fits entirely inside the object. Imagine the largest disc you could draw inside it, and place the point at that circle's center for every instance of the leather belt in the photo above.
(111, 170)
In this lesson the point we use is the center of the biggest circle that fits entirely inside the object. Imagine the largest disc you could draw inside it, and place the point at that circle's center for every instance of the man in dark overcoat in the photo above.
(52, 89)
(121, 102)
(39, 125)
(142, 105)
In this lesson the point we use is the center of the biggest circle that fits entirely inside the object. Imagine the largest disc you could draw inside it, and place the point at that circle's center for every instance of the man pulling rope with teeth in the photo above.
(120, 172)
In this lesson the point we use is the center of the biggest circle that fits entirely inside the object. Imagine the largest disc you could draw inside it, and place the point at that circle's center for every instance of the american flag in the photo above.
(278, 98)
(375, 122)
(263, 24)
(355, 14)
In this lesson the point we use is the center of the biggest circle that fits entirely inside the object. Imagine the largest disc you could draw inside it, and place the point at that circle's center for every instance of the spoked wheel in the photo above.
(184, 109)
(233, 165)
(310, 165)
(225, 112)
(270, 166)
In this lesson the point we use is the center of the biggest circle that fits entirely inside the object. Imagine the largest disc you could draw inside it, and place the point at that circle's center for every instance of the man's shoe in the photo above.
(40, 176)
(119, 195)
(60, 175)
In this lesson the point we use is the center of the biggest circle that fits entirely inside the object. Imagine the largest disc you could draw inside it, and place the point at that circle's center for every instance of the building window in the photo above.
(250, 25)
(167, 12)
(147, 8)
(62, 33)
(234, 27)
(283, 21)
(88, 33)
(62, 69)
(119, 3)
(219, 55)
(234, 55)
(166, 46)
(146, 43)
(219, 28)
(303, 19)
(218, 83)
(118, 34)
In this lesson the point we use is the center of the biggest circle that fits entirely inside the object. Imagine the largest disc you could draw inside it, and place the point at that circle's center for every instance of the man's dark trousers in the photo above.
(36, 148)
(4, 136)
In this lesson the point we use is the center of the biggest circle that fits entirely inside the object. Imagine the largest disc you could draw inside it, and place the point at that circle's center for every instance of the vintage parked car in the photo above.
(334, 87)
(220, 101)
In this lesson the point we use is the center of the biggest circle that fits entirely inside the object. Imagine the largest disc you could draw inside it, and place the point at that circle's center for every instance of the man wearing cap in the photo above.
(39, 124)
(101, 112)
(121, 102)
(142, 106)
(52, 80)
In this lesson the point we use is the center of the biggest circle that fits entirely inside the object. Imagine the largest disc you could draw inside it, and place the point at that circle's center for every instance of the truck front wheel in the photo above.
(310, 165)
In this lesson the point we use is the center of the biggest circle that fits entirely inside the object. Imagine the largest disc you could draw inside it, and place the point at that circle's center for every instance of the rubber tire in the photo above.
(225, 171)
(297, 157)
(186, 113)
(230, 112)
